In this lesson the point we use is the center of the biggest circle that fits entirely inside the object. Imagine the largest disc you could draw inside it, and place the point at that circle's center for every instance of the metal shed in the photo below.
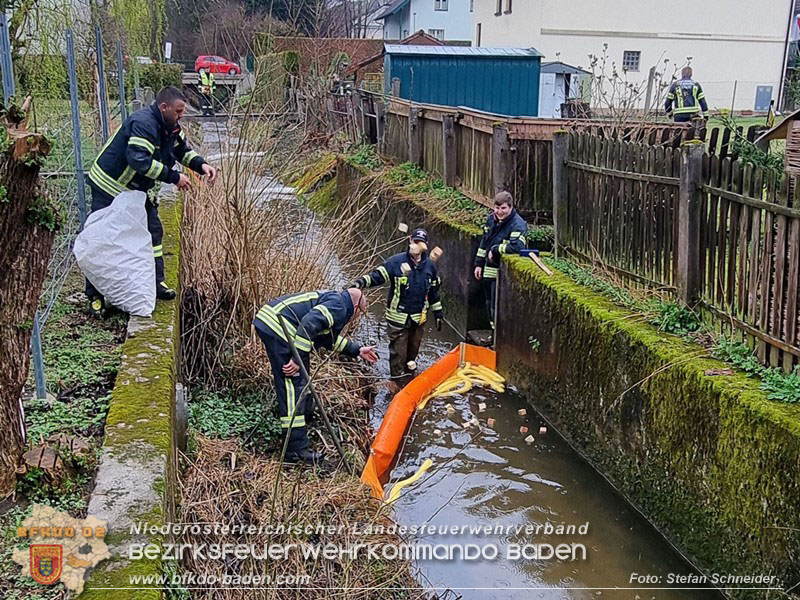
(504, 81)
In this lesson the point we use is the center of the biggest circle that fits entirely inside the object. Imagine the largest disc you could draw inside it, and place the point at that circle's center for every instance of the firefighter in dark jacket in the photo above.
(314, 320)
(504, 233)
(413, 290)
(686, 99)
(142, 151)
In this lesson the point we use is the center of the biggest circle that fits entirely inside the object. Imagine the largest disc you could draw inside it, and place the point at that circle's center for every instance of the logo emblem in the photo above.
(46, 563)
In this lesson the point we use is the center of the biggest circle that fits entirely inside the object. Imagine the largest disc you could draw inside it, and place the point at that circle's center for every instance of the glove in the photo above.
(439, 324)
(358, 284)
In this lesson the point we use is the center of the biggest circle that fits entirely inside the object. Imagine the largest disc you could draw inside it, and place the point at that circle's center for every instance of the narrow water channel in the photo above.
(489, 476)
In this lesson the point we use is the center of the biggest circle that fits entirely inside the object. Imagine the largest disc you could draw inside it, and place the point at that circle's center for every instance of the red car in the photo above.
(216, 64)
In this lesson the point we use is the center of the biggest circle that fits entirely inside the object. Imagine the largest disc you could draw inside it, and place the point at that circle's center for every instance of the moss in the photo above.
(324, 200)
(709, 459)
(140, 421)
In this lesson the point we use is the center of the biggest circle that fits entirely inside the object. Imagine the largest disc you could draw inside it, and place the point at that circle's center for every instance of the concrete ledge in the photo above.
(135, 480)
(708, 459)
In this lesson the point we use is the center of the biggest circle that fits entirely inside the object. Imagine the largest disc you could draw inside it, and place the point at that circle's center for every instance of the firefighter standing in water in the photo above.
(141, 152)
(313, 320)
(503, 233)
(413, 290)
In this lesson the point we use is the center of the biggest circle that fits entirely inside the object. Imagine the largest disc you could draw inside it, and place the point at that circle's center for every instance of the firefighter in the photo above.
(207, 90)
(413, 290)
(685, 99)
(503, 233)
(142, 151)
(314, 320)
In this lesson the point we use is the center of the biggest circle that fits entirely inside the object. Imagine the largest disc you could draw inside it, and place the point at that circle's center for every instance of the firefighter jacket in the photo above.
(207, 82)
(410, 294)
(313, 319)
(504, 237)
(141, 152)
(687, 97)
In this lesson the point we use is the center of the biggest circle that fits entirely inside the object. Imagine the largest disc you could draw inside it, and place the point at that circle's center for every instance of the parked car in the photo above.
(216, 64)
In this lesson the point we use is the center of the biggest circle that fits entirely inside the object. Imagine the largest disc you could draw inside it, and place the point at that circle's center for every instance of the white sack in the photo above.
(115, 253)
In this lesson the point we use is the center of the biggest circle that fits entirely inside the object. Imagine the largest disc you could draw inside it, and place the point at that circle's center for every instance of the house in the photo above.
(445, 20)
(737, 48)
(371, 68)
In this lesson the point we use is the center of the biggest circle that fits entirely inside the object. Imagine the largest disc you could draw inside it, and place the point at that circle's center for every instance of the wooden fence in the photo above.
(711, 229)
(481, 153)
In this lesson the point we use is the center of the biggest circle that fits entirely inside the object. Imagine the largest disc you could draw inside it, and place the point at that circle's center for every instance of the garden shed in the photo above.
(503, 81)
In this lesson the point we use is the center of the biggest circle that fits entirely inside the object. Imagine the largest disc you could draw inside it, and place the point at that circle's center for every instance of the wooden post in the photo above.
(502, 160)
(449, 150)
(380, 123)
(414, 136)
(560, 186)
(688, 276)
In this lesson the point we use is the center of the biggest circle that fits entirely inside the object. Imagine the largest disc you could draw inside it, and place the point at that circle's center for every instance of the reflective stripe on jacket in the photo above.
(142, 152)
(687, 97)
(410, 294)
(313, 319)
(505, 237)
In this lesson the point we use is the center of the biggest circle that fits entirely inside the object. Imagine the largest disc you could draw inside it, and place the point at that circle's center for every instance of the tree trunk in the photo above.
(27, 228)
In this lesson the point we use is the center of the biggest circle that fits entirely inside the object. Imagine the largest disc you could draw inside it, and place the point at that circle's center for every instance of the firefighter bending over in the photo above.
(141, 152)
(314, 320)
(413, 290)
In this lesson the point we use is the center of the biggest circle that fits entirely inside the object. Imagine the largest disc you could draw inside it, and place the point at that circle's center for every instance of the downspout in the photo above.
(782, 86)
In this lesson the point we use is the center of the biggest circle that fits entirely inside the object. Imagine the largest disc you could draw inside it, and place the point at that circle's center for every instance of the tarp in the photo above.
(401, 410)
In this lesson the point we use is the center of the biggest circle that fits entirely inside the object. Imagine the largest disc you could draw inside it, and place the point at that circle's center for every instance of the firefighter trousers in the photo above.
(404, 343)
(292, 392)
(489, 291)
(100, 199)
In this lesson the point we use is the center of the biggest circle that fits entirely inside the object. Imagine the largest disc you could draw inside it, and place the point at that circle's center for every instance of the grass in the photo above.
(671, 316)
(81, 357)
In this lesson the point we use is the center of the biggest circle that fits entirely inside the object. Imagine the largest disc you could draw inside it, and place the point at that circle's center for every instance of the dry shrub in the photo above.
(217, 488)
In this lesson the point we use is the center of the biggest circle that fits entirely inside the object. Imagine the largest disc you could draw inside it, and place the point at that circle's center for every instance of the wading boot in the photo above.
(304, 456)
(164, 293)
(97, 308)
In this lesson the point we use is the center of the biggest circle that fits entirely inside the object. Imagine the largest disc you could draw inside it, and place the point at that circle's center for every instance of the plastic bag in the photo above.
(115, 253)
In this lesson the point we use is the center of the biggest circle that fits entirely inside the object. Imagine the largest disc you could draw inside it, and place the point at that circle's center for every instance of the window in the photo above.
(471, 5)
(631, 60)
(498, 10)
(508, 6)
(440, 4)
(437, 33)
(478, 34)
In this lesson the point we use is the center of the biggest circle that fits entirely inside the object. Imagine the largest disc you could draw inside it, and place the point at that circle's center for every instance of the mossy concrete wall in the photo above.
(463, 298)
(135, 480)
(711, 461)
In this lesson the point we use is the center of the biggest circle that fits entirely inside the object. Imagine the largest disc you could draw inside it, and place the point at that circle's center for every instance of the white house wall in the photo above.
(730, 54)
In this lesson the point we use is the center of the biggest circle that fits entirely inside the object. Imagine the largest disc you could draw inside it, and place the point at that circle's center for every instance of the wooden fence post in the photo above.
(502, 161)
(380, 125)
(414, 136)
(560, 194)
(688, 276)
(449, 150)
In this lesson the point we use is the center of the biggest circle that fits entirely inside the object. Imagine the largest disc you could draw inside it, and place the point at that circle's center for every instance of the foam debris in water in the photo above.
(522, 412)
(542, 430)
(403, 228)
(412, 365)
(490, 422)
(481, 407)
(436, 254)
(437, 432)
(523, 429)
(529, 440)
(450, 408)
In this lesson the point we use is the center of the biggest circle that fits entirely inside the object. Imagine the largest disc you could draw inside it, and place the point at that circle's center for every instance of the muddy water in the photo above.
(488, 476)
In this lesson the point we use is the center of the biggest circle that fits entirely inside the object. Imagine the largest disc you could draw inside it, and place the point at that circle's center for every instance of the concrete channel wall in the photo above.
(707, 458)
(136, 477)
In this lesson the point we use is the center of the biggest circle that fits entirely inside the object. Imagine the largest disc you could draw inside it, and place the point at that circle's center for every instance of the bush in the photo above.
(155, 76)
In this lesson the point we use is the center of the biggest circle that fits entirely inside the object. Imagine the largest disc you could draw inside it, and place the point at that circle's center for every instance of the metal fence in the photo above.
(69, 92)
